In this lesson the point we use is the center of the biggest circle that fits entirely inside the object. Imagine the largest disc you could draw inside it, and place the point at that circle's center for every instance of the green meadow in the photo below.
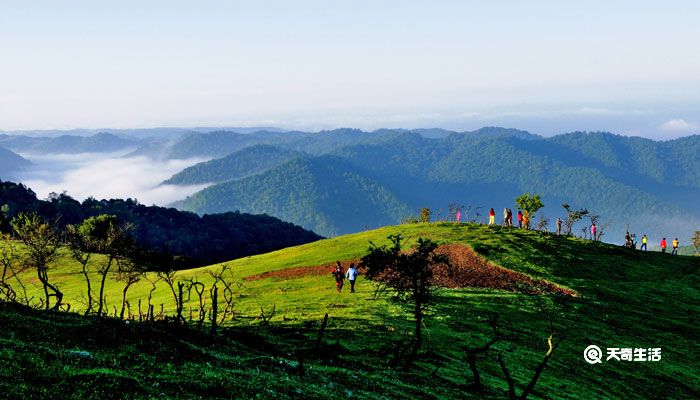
(625, 298)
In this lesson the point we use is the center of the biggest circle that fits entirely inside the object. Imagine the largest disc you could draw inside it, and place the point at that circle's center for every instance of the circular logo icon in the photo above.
(593, 354)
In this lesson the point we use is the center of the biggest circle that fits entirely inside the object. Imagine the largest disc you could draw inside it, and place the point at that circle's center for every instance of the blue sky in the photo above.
(631, 67)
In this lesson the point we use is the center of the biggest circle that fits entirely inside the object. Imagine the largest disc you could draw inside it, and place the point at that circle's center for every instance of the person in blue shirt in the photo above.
(352, 275)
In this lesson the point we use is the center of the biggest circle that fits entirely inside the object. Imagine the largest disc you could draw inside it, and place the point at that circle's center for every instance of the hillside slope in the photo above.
(323, 194)
(11, 163)
(249, 161)
(624, 299)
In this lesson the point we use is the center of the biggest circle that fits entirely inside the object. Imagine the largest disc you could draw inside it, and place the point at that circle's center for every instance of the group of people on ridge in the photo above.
(523, 220)
(663, 245)
(508, 218)
(339, 274)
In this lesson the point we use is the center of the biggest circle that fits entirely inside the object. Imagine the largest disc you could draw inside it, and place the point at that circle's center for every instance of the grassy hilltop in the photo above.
(623, 299)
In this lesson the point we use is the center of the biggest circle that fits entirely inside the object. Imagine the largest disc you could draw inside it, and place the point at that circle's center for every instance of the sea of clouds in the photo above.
(107, 176)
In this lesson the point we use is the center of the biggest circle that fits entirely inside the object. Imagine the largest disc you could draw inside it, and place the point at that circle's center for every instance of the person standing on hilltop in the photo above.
(520, 218)
(675, 246)
(339, 276)
(645, 239)
(352, 275)
(492, 217)
(559, 226)
(505, 217)
(663, 245)
(594, 230)
(510, 218)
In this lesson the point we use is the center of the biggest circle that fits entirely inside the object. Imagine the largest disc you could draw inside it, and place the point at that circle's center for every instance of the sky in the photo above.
(630, 67)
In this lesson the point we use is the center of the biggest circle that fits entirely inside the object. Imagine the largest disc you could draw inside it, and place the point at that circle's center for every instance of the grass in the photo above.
(627, 299)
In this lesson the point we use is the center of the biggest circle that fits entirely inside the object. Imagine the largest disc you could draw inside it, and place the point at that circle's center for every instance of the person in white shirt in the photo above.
(352, 275)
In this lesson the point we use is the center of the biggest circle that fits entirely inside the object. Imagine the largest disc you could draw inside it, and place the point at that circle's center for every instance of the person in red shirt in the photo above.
(663, 245)
(492, 217)
(520, 218)
(339, 276)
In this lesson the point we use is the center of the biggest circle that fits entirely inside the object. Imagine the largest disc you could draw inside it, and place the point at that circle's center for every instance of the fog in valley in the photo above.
(106, 176)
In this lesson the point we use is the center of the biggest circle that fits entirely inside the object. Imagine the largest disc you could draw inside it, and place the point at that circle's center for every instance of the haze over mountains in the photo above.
(345, 180)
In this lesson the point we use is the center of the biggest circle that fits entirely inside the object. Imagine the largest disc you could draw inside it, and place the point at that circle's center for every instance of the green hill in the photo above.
(243, 163)
(623, 299)
(324, 194)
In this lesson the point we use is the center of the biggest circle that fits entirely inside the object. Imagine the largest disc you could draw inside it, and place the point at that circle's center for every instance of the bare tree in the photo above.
(198, 288)
(154, 286)
(535, 377)
(572, 216)
(224, 276)
(80, 249)
(129, 272)
(453, 209)
(474, 352)
(169, 278)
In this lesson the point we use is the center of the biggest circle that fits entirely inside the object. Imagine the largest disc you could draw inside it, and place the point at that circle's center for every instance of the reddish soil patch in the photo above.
(299, 272)
(466, 269)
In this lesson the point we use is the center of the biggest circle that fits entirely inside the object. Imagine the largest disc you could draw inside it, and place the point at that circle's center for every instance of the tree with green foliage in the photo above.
(41, 242)
(9, 257)
(408, 274)
(424, 215)
(4, 216)
(81, 249)
(696, 242)
(103, 234)
(572, 217)
(530, 204)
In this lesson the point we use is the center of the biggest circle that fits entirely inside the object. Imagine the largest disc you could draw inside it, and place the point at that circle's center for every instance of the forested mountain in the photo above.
(164, 232)
(11, 162)
(98, 143)
(652, 186)
(246, 162)
(326, 194)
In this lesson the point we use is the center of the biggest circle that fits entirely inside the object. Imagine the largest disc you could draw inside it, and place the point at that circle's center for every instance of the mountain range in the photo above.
(11, 162)
(387, 175)
(69, 144)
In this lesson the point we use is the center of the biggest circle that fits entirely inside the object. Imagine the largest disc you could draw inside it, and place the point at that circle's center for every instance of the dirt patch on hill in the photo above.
(299, 272)
(466, 269)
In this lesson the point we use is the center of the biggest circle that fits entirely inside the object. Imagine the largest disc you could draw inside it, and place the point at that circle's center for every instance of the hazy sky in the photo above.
(631, 67)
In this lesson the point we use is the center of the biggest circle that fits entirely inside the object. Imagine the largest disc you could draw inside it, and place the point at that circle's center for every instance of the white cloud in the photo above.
(107, 176)
(679, 125)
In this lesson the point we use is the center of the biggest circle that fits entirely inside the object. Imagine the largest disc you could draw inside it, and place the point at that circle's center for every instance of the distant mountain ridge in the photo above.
(11, 162)
(653, 186)
(70, 144)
